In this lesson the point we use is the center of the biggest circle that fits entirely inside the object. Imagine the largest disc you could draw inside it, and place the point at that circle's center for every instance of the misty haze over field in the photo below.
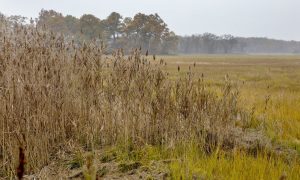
(248, 18)
(205, 26)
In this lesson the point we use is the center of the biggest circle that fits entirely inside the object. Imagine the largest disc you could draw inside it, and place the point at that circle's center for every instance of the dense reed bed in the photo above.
(54, 92)
(57, 96)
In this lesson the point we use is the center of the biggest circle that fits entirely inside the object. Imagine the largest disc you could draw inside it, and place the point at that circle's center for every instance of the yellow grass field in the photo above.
(269, 86)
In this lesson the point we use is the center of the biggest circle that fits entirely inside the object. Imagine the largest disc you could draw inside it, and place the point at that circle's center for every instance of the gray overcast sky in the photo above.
(278, 19)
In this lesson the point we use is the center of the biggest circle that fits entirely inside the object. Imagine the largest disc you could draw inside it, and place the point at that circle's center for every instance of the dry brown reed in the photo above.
(53, 91)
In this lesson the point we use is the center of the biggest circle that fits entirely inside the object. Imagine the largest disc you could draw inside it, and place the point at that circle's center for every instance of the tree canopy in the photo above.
(149, 32)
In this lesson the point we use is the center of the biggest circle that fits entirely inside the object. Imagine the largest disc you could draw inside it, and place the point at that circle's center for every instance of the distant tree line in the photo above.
(148, 32)
(208, 43)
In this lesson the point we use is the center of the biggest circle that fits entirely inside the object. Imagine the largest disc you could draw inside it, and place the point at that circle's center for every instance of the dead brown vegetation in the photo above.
(53, 92)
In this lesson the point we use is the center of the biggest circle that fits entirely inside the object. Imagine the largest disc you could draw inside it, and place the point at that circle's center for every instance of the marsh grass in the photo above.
(54, 91)
(55, 94)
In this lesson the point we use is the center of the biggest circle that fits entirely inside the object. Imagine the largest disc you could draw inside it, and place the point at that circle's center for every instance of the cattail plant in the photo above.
(147, 52)
(21, 167)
